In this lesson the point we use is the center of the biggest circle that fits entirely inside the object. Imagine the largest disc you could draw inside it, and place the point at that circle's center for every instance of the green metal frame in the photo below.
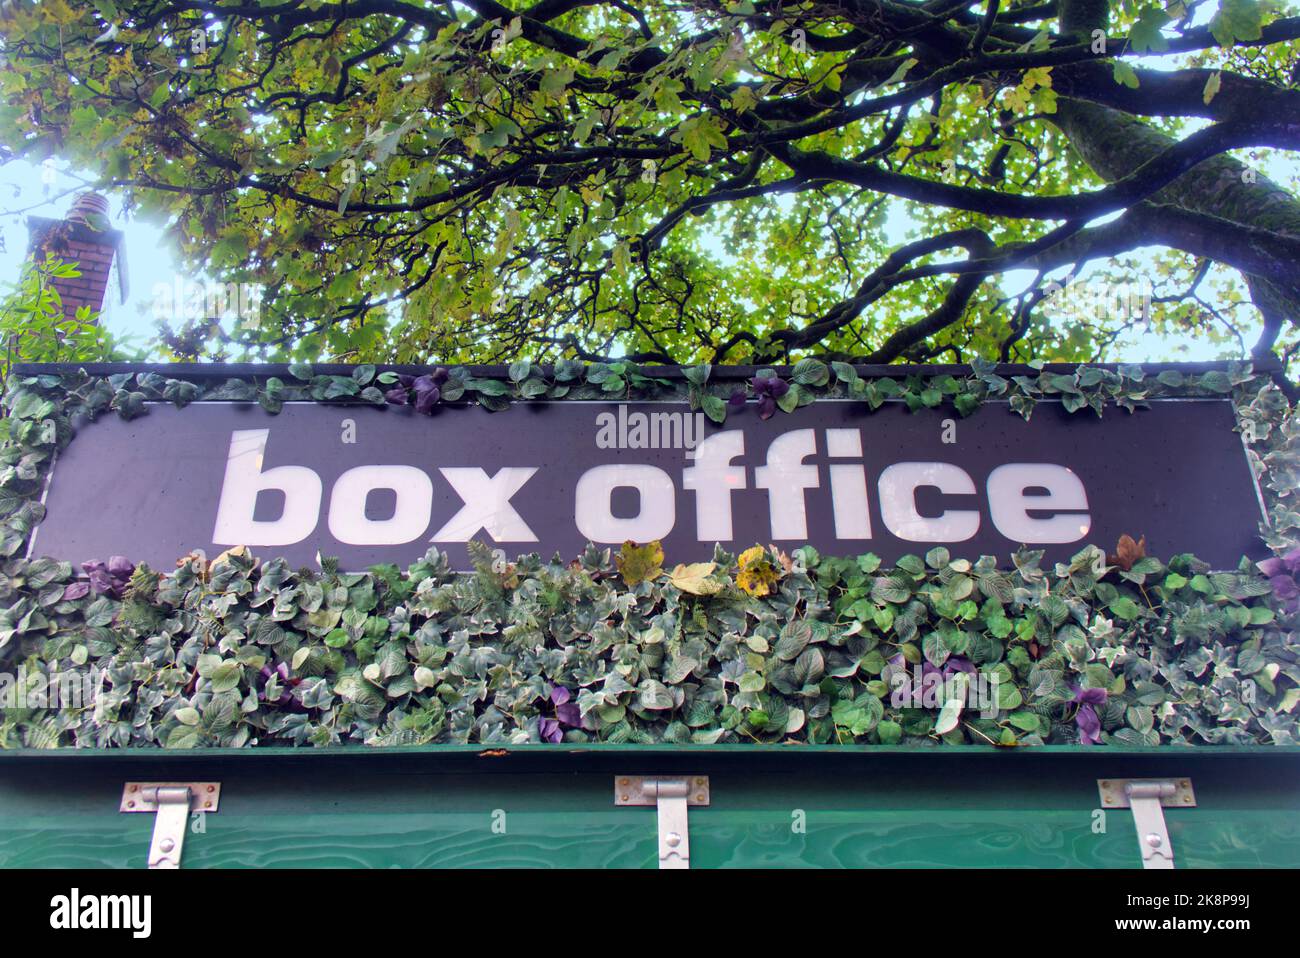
(436, 806)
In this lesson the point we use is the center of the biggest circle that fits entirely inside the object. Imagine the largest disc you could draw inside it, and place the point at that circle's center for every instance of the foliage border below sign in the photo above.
(624, 648)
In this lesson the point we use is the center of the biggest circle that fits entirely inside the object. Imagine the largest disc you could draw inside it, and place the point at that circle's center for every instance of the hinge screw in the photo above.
(1154, 840)
(673, 839)
(167, 844)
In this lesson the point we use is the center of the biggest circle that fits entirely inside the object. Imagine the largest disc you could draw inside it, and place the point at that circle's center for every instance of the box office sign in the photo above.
(382, 485)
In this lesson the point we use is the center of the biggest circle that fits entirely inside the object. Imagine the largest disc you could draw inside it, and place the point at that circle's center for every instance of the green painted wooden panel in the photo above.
(436, 809)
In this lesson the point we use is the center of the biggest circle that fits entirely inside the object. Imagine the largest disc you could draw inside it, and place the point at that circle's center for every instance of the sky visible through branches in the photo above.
(1218, 319)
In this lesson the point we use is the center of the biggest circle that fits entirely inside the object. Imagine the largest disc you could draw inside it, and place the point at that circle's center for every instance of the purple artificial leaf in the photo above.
(94, 565)
(1284, 587)
(396, 396)
(426, 399)
(1090, 696)
(1089, 725)
(1271, 566)
(76, 590)
(439, 375)
(894, 667)
(1292, 560)
(1086, 718)
(549, 730)
(405, 380)
(778, 388)
(560, 695)
(569, 714)
(101, 581)
(958, 663)
(120, 567)
(737, 399)
(766, 407)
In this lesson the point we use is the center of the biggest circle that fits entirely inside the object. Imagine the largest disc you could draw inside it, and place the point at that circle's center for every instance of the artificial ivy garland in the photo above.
(620, 647)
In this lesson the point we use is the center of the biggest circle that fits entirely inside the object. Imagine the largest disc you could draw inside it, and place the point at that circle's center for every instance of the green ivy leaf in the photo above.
(714, 407)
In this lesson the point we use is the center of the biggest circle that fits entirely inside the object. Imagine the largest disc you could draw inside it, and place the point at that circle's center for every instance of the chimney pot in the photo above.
(84, 238)
(85, 204)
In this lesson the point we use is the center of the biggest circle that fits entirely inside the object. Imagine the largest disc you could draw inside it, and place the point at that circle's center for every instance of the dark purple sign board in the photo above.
(381, 485)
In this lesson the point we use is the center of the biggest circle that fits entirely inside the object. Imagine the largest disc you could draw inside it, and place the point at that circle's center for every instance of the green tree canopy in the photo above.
(688, 181)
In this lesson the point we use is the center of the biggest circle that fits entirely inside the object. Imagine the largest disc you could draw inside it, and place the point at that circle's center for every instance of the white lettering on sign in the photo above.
(712, 479)
(1029, 503)
(848, 485)
(785, 477)
(245, 479)
(347, 519)
(898, 485)
(593, 506)
(487, 505)
(1010, 506)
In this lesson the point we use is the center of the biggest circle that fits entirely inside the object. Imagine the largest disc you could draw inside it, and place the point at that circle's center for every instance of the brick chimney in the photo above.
(83, 237)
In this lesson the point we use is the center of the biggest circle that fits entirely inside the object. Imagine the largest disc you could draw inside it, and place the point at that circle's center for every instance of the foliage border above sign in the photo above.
(633, 646)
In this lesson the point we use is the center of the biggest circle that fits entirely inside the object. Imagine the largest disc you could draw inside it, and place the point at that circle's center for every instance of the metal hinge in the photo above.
(1147, 797)
(173, 802)
(671, 796)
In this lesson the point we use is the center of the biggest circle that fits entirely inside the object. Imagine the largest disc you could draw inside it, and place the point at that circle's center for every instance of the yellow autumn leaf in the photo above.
(638, 563)
(1212, 87)
(757, 579)
(743, 99)
(694, 578)
(757, 574)
(1016, 99)
(1039, 76)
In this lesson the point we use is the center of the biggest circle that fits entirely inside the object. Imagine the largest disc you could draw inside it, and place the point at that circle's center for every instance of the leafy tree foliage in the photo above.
(700, 181)
(35, 329)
